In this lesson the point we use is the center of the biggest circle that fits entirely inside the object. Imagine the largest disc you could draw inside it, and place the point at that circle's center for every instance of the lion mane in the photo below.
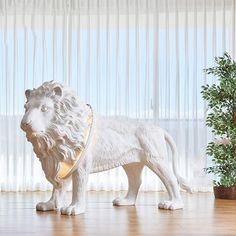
(65, 134)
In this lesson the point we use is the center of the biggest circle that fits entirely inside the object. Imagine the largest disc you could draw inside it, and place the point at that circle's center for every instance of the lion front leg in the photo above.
(79, 186)
(54, 203)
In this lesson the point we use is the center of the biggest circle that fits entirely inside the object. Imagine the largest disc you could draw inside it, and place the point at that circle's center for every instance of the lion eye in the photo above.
(44, 108)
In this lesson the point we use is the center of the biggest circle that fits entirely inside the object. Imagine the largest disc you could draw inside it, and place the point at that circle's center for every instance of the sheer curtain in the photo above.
(142, 59)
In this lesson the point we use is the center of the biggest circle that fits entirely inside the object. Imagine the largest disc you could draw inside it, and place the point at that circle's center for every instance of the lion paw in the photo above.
(170, 205)
(72, 210)
(46, 206)
(123, 202)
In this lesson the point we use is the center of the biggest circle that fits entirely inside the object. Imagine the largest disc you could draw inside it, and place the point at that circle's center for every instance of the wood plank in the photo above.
(202, 215)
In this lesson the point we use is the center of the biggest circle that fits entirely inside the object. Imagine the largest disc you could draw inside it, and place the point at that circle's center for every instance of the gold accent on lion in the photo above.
(67, 168)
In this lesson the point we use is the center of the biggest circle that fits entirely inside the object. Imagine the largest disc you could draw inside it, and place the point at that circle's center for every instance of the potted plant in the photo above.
(221, 118)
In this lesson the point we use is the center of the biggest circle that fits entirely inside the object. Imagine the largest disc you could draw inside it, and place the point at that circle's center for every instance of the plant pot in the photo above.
(225, 192)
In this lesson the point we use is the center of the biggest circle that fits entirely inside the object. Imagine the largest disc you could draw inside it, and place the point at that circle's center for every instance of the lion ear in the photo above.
(28, 93)
(58, 91)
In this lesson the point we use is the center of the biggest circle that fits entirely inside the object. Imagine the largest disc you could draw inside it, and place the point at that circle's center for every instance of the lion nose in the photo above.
(26, 124)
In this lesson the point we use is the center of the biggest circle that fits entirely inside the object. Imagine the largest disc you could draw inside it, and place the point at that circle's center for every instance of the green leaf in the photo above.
(221, 118)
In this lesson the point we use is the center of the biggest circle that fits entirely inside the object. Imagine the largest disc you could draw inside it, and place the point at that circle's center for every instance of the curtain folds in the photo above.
(142, 59)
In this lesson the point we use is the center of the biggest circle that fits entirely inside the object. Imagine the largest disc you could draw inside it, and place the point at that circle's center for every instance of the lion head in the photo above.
(54, 122)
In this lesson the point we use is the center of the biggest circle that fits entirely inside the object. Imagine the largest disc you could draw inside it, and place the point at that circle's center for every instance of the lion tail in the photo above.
(182, 182)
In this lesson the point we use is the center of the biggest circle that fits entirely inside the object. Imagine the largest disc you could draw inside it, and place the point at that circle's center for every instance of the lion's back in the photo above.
(120, 140)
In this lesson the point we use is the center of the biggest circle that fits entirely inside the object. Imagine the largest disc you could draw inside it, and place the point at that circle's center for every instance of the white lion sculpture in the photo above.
(71, 142)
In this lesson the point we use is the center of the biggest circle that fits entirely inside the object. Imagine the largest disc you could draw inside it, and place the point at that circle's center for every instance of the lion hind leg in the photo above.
(133, 172)
(162, 170)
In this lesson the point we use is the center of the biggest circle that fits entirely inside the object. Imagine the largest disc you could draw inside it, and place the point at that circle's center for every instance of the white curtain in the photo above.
(143, 59)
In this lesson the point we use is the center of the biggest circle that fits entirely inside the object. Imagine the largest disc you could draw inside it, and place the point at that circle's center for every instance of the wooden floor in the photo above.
(202, 215)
